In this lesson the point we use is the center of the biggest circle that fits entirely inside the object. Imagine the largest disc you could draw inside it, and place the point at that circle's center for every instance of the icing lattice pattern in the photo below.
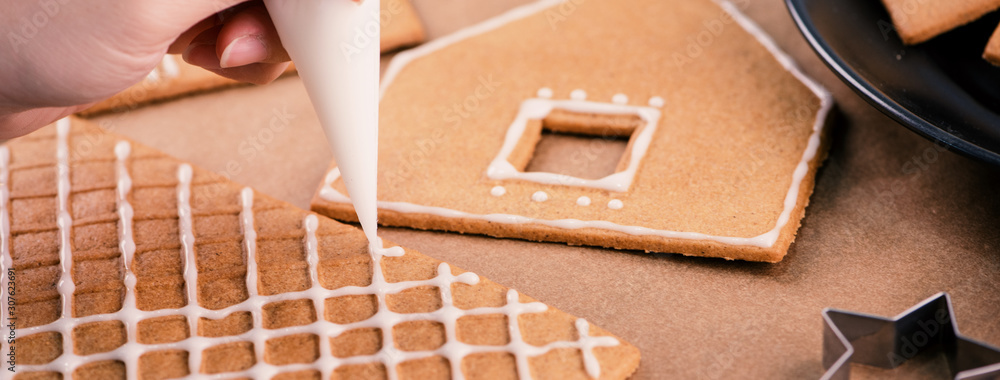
(384, 319)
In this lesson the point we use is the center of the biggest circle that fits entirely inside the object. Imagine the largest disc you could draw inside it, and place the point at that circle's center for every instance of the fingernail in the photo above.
(243, 51)
(202, 55)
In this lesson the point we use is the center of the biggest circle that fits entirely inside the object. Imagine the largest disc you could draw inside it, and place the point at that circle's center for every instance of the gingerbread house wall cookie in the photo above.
(724, 134)
(121, 262)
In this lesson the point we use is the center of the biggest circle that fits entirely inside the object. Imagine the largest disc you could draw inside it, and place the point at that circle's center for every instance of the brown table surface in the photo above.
(893, 221)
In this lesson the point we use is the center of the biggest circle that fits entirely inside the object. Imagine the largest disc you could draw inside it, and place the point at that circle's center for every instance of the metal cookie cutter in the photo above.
(850, 337)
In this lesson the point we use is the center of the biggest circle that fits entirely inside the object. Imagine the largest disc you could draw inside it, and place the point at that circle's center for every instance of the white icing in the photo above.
(616, 204)
(583, 201)
(578, 95)
(656, 101)
(540, 196)
(65, 222)
(125, 213)
(587, 344)
(536, 109)
(497, 191)
(545, 93)
(335, 46)
(190, 269)
(167, 69)
(130, 350)
(619, 99)
(66, 288)
(126, 243)
(385, 319)
(405, 57)
(766, 239)
(153, 76)
(170, 67)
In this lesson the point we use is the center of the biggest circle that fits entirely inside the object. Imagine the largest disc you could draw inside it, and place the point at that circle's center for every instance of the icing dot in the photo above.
(539, 196)
(656, 101)
(578, 95)
(545, 92)
(619, 99)
(498, 191)
(616, 204)
(583, 201)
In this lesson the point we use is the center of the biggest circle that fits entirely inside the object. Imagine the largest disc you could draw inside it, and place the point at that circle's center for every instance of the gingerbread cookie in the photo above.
(720, 134)
(174, 77)
(121, 262)
(917, 21)
(400, 25)
(170, 79)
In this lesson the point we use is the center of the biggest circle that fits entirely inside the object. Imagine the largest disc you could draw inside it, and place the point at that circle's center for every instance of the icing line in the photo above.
(127, 247)
(65, 222)
(765, 240)
(405, 57)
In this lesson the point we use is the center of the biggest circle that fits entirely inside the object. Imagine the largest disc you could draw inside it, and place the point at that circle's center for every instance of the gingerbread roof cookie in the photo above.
(170, 79)
(121, 262)
(720, 134)
(173, 77)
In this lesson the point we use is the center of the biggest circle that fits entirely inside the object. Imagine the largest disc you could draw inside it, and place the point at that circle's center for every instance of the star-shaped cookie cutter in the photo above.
(850, 337)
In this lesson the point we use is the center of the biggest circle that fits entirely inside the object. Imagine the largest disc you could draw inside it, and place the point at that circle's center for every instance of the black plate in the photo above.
(941, 89)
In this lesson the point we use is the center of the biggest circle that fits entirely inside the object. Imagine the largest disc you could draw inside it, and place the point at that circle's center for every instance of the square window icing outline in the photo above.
(539, 108)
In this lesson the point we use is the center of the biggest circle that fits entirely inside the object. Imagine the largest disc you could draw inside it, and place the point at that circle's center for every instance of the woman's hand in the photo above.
(58, 57)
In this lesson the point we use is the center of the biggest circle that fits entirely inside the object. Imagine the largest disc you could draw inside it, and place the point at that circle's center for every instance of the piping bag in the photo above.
(335, 47)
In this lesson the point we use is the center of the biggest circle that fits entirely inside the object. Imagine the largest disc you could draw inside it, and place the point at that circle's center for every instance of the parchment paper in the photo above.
(894, 220)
